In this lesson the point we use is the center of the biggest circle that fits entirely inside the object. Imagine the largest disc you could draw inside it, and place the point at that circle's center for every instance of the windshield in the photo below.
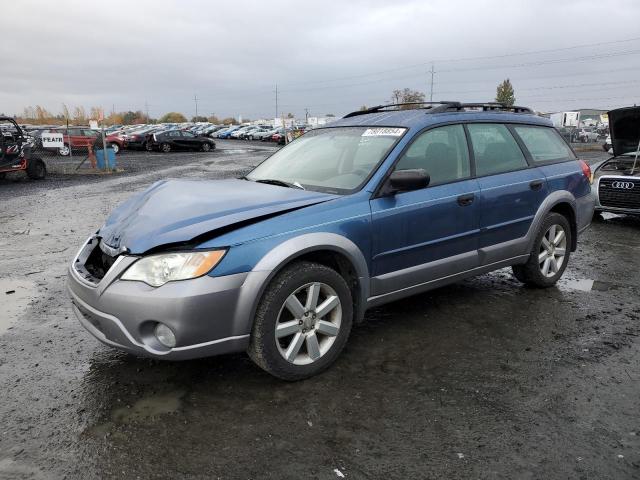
(334, 160)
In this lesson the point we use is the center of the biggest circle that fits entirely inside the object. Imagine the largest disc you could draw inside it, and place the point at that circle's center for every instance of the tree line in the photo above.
(78, 115)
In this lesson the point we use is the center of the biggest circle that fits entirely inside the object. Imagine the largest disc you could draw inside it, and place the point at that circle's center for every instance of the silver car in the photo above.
(617, 179)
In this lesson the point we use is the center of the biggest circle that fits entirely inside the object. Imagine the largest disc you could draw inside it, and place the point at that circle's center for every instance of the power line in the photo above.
(546, 62)
(486, 57)
(550, 87)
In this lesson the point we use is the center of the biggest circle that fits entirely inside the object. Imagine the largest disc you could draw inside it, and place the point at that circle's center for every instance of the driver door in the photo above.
(424, 235)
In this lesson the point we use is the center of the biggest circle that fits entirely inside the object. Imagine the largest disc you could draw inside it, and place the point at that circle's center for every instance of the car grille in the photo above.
(611, 195)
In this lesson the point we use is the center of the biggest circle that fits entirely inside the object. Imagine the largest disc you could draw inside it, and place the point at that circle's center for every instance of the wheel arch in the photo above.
(562, 202)
(332, 250)
(566, 210)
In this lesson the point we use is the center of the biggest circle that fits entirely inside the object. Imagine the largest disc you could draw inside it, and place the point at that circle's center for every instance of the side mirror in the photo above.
(407, 180)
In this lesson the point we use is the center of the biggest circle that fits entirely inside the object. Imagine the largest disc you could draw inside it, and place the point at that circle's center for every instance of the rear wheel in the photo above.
(116, 147)
(303, 321)
(148, 147)
(64, 150)
(550, 253)
(206, 147)
(36, 169)
(165, 147)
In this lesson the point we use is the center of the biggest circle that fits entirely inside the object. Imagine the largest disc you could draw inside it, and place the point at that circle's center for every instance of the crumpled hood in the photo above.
(177, 211)
(624, 126)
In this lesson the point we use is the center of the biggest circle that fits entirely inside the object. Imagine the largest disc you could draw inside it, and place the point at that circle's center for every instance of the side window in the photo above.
(442, 152)
(495, 150)
(187, 134)
(174, 133)
(544, 143)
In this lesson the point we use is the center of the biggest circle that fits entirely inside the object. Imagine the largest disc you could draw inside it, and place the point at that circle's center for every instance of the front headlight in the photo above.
(156, 270)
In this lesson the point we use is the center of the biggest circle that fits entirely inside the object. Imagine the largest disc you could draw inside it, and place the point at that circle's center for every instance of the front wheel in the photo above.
(36, 169)
(116, 147)
(206, 147)
(550, 254)
(303, 321)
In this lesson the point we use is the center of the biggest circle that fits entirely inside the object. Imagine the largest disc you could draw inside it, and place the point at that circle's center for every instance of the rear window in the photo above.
(495, 149)
(544, 143)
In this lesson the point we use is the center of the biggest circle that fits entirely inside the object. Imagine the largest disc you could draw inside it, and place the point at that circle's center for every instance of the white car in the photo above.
(587, 135)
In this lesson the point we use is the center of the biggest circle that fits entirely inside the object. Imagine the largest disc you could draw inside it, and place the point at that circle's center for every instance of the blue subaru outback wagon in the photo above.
(382, 204)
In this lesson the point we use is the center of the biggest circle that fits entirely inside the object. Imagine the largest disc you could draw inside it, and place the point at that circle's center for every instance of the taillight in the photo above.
(586, 170)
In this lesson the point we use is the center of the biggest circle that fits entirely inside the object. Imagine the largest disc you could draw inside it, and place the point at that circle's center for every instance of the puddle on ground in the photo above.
(582, 284)
(151, 406)
(15, 296)
(234, 151)
(585, 285)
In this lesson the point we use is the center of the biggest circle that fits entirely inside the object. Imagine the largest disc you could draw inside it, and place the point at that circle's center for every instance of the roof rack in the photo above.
(444, 106)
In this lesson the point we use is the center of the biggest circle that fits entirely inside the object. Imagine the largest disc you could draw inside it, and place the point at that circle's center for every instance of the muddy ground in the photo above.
(482, 379)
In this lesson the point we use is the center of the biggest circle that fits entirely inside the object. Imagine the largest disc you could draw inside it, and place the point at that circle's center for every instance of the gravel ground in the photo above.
(481, 379)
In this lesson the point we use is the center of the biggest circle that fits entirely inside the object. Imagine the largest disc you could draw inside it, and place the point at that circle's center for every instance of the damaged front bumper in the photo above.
(203, 313)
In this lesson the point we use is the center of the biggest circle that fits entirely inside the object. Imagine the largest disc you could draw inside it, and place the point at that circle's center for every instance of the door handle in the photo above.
(536, 185)
(465, 200)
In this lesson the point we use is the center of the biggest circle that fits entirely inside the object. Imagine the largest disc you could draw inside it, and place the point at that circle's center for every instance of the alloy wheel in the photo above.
(308, 323)
(64, 151)
(553, 249)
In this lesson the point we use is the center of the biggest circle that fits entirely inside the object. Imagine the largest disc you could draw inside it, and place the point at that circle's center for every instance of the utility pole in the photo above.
(431, 86)
(306, 115)
(195, 99)
(146, 109)
(276, 100)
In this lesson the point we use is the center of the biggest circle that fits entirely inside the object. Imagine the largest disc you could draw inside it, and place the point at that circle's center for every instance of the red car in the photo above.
(83, 137)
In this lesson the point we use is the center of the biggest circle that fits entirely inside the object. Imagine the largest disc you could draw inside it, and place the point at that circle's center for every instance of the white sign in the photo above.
(52, 140)
(93, 124)
(386, 132)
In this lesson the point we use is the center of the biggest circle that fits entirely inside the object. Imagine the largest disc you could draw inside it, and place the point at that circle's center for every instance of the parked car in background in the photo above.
(606, 146)
(281, 263)
(137, 139)
(227, 133)
(587, 135)
(617, 179)
(252, 135)
(179, 140)
(264, 135)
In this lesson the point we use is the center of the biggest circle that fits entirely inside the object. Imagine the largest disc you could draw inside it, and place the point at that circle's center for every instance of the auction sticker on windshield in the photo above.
(387, 132)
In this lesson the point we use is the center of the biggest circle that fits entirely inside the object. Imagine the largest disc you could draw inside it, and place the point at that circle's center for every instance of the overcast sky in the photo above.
(327, 56)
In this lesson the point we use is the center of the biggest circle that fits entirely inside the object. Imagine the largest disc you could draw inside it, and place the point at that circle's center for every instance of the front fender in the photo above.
(281, 255)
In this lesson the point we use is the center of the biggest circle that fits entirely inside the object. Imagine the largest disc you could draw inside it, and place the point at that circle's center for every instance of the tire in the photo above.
(546, 258)
(165, 147)
(323, 337)
(65, 150)
(36, 169)
(116, 148)
(205, 147)
(148, 147)
(3, 175)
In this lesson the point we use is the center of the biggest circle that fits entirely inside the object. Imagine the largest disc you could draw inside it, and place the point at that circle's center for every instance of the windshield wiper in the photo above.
(281, 183)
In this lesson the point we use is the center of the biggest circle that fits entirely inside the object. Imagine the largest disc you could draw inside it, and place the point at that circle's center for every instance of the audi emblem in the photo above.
(622, 185)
